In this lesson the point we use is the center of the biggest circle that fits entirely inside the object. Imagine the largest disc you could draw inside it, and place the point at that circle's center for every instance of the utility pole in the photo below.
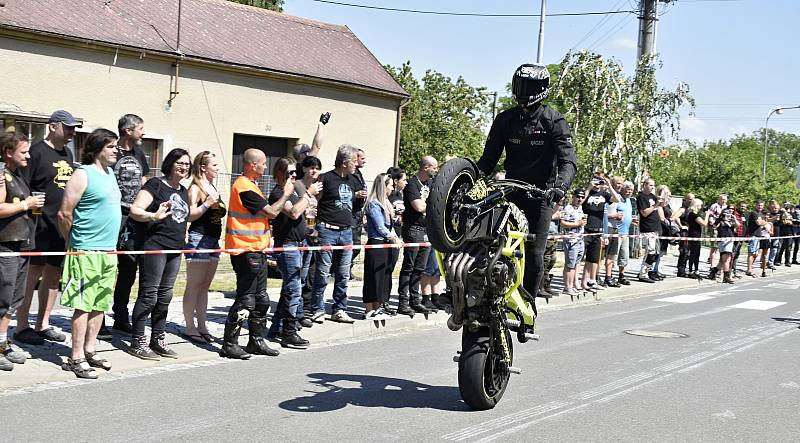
(648, 17)
(540, 51)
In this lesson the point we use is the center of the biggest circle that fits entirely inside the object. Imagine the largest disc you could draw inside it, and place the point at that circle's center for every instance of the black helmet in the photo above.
(530, 83)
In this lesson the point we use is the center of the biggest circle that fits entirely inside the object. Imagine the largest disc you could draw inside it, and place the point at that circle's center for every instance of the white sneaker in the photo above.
(573, 291)
(378, 314)
(318, 317)
(341, 317)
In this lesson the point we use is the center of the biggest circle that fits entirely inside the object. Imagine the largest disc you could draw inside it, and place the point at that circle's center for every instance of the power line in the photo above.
(472, 14)
(612, 31)
(597, 26)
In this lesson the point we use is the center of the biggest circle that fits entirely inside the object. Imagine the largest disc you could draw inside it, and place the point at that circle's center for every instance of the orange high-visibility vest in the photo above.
(243, 229)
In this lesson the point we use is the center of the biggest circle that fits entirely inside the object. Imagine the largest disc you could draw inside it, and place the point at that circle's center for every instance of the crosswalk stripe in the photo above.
(758, 305)
(685, 298)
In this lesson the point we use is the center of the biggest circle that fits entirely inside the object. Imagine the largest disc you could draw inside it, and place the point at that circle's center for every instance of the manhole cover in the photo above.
(655, 334)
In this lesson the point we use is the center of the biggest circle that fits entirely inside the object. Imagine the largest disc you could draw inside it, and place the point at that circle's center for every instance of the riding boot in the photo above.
(258, 342)
(417, 306)
(230, 342)
(428, 303)
(402, 305)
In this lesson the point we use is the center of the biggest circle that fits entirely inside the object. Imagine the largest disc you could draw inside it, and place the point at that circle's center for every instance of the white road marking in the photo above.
(686, 298)
(502, 427)
(758, 305)
(785, 285)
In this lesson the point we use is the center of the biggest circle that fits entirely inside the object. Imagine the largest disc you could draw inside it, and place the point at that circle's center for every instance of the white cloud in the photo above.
(623, 43)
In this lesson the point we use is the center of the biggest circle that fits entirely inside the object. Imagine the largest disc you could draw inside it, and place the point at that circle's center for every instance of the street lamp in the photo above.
(778, 110)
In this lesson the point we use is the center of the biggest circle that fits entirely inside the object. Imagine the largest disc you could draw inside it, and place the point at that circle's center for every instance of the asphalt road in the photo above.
(732, 377)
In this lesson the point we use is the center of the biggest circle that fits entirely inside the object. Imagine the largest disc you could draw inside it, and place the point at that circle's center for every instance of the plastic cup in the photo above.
(37, 211)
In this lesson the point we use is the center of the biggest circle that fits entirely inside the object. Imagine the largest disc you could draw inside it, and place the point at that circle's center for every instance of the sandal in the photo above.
(207, 337)
(195, 338)
(75, 367)
(97, 362)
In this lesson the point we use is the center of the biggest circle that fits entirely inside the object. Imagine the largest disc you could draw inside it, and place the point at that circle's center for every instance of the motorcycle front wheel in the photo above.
(482, 374)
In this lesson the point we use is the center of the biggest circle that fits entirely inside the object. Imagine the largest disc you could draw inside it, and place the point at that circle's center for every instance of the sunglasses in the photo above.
(293, 172)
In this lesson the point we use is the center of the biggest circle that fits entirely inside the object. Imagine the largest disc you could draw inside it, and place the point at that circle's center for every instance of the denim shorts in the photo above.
(432, 268)
(726, 246)
(573, 253)
(201, 241)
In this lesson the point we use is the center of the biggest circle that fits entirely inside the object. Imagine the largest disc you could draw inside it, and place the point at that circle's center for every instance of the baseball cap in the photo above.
(65, 118)
(579, 193)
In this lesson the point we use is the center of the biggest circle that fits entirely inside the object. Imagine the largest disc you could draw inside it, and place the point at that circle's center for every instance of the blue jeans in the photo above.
(340, 260)
(290, 304)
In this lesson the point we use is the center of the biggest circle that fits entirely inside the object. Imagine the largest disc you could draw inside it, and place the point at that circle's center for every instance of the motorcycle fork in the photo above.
(517, 304)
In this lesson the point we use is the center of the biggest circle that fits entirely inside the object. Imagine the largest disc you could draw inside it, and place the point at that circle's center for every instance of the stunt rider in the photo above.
(539, 151)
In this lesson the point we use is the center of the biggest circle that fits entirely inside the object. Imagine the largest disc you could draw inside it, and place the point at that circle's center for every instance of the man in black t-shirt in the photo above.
(131, 170)
(415, 196)
(599, 194)
(289, 230)
(335, 227)
(358, 205)
(49, 169)
(651, 213)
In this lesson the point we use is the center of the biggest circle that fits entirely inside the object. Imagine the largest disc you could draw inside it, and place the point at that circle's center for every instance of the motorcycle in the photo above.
(479, 240)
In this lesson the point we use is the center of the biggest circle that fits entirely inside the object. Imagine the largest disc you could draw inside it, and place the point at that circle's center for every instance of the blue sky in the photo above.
(740, 57)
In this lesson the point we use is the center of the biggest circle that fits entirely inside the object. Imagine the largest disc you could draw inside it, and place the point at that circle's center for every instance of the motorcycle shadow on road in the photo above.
(374, 392)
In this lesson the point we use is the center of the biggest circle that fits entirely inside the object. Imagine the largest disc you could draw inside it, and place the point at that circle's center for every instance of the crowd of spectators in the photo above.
(50, 203)
(605, 215)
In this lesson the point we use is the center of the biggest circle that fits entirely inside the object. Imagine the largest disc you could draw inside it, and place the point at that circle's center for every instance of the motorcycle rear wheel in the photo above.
(482, 375)
(446, 231)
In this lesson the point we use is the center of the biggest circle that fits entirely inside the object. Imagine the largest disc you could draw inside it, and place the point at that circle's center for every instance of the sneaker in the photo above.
(5, 365)
(645, 279)
(341, 317)
(763, 273)
(139, 348)
(771, 267)
(388, 310)
(611, 282)
(593, 286)
(318, 317)
(306, 322)
(158, 344)
(52, 335)
(623, 281)
(379, 314)
(12, 354)
(28, 336)
(123, 327)
(104, 333)
(777, 263)
(573, 292)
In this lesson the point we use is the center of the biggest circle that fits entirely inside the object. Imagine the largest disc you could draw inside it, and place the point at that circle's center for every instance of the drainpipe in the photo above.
(403, 103)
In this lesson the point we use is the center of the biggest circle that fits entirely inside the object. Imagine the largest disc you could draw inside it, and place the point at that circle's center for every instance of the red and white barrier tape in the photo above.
(354, 247)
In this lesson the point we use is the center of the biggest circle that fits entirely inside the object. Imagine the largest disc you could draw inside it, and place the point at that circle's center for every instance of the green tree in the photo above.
(732, 167)
(444, 117)
(274, 5)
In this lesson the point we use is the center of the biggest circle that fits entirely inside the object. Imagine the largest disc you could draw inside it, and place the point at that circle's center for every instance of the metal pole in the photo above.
(540, 50)
(766, 136)
(647, 28)
(178, 43)
(494, 105)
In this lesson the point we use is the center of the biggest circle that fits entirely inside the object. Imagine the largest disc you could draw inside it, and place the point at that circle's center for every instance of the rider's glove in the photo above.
(554, 195)
(324, 118)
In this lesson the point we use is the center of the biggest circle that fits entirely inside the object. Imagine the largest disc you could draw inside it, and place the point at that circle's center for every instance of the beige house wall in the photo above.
(97, 85)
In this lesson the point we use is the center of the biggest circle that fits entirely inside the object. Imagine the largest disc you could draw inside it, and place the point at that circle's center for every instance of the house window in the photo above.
(35, 131)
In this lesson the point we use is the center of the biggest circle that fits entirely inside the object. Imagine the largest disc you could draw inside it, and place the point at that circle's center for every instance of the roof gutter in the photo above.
(64, 40)
(403, 103)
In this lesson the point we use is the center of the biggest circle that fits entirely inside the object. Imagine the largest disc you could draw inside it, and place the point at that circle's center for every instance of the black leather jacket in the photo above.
(538, 147)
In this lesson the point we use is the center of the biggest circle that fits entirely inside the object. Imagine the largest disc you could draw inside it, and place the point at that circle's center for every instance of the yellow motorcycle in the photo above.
(479, 238)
